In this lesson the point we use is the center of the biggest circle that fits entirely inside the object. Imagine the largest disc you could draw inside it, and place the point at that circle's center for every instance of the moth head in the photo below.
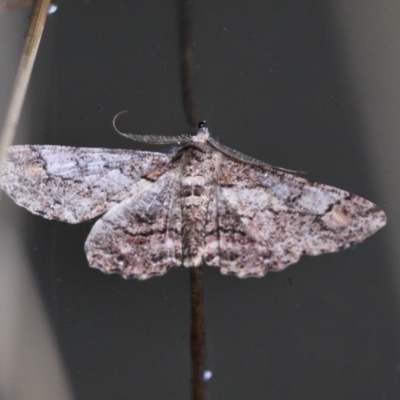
(202, 133)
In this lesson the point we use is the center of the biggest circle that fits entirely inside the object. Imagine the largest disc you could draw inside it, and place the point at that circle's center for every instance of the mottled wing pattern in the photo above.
(231, 243)
(73, 184)
(140, 237)
(266, 219)
(213, 228)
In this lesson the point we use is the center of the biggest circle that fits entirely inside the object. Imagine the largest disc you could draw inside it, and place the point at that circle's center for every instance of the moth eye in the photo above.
(202, 124)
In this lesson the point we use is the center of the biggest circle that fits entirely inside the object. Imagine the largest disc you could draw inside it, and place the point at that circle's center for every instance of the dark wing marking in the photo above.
(140, 237)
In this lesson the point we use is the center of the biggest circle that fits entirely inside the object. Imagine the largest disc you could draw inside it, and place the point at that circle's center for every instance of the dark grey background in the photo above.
(272, 81)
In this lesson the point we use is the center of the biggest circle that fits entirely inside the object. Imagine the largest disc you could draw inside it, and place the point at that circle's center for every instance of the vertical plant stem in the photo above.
(197, 334)
(197, 326)
(187, 62)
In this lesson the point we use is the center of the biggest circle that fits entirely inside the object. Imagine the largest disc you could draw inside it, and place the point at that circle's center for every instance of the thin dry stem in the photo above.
(197, 334)
(32, 40)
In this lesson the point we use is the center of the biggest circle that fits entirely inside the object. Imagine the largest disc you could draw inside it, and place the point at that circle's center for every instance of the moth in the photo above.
(202, 203)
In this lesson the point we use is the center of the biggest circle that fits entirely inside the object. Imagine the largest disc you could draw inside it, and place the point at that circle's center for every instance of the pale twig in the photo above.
(32, 40)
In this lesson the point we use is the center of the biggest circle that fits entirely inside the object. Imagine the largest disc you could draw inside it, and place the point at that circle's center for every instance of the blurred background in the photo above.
(305, 85)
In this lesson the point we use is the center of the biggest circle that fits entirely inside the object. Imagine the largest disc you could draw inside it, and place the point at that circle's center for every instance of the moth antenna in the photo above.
(245, 158)
(151, 139)
(115, 119)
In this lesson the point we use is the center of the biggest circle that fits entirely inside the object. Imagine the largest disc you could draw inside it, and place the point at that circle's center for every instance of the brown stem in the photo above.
(187, 62)
(197, 334)
(197, 329)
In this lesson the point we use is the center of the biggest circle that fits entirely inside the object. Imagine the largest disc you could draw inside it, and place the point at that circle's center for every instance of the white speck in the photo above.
(52, 9)
(207, 375)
